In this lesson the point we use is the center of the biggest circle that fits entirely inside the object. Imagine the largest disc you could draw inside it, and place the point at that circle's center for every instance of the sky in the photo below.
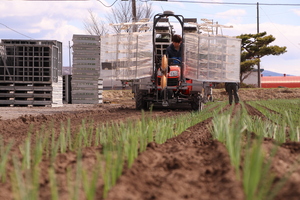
(60, 19)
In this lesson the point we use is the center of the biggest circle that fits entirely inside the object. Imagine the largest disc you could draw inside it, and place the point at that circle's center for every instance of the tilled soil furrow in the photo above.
(254, 112)
(285, 164)
(189, 166)
(285, 167)
(17, 130)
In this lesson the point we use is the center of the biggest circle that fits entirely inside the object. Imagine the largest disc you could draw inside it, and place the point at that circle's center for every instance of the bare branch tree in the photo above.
(94, 26)
(122, 13)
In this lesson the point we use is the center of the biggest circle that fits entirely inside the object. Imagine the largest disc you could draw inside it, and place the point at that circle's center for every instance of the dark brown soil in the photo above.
(189, 166)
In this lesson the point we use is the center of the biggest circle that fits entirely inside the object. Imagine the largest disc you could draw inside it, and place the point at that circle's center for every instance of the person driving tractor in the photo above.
(174, 49)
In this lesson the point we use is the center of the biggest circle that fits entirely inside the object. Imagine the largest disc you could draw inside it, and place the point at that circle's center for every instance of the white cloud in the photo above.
(33, 17)
(212, 5)
(33, 30)
(296, 11)
(233, 15)
(46, 24)
(69, 9)
(239, 29)
(286, 35)
(281, 65)
(49, 20)
(64, 33)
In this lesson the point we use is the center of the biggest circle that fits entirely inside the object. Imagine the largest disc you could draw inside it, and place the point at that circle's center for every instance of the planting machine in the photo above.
(170, 82)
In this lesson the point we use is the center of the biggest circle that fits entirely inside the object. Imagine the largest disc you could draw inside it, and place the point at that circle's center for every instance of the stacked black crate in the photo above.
(86, 70)
(28, 69)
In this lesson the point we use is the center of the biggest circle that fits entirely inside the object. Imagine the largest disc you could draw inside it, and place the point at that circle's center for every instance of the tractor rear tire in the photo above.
(140, 103)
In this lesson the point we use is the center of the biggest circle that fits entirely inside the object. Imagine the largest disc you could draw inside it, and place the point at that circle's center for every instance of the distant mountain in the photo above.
(270, 73)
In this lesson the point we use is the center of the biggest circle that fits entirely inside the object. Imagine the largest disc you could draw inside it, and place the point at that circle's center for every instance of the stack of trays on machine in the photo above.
(128, 55)
(212, 58)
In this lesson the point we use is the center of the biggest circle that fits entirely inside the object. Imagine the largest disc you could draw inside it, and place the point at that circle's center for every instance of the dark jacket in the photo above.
(172, 52)
(227, 84)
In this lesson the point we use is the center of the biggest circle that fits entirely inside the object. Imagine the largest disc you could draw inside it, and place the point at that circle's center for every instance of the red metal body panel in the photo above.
(280, 81)
(173, 78)
(177, 68)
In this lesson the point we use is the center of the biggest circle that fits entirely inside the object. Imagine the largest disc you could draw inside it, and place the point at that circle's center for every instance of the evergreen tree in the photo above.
(254, 47)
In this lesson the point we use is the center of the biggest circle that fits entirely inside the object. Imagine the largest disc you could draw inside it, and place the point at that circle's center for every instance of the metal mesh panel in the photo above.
(29, 71)
(30, 60)
(212, 58)
(129, 56)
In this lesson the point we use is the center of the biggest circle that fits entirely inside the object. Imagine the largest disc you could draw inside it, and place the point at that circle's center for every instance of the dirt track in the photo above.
(123, 99)
(189, 166)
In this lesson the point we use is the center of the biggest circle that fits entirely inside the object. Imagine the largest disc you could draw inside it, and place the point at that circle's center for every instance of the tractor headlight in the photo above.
(173, 73)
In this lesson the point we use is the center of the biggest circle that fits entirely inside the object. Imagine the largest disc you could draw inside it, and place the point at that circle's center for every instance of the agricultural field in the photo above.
(112, 151)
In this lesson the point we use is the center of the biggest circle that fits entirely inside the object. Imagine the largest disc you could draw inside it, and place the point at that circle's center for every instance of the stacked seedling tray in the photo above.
(86, 85)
